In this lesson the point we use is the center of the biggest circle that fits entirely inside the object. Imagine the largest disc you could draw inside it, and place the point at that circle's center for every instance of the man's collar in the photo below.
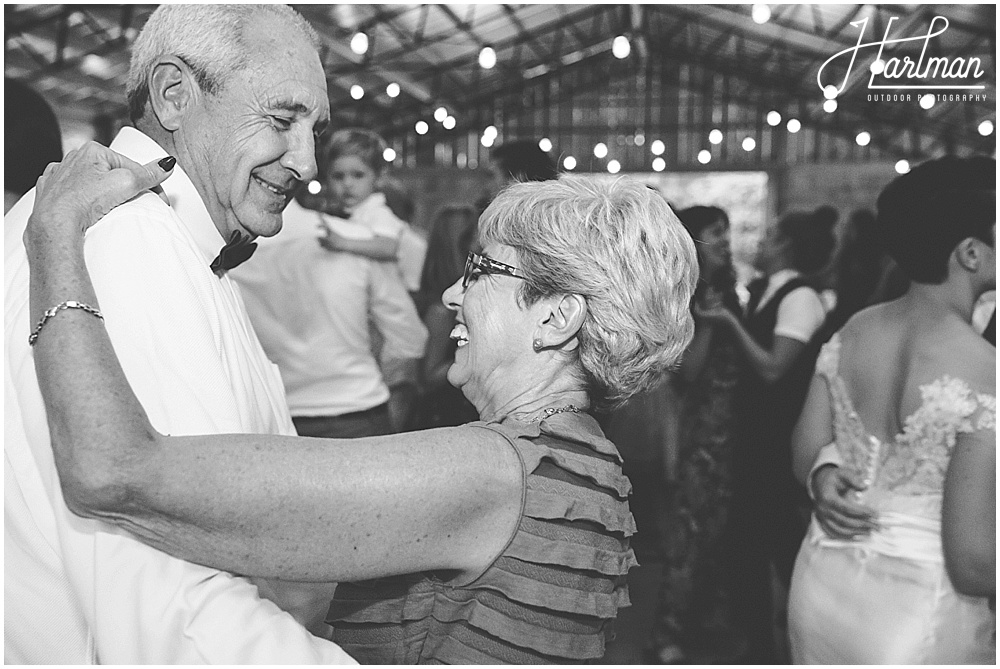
(180, 191)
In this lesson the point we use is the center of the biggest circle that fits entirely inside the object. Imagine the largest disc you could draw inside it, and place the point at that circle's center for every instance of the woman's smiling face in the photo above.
(494, 331)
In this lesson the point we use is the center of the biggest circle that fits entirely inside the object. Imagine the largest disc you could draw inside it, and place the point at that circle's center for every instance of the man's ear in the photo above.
(173, 89)
(968, 254)
(562, 320)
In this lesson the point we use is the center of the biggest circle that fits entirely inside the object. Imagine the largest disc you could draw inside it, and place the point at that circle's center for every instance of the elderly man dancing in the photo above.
(236, 94)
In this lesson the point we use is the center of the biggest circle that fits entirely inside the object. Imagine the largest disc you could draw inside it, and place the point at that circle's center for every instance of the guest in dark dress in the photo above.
(778, 343)
(453, 235)
(695, 617)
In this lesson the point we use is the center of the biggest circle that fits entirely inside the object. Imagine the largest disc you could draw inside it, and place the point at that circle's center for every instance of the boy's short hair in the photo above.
(365, 144)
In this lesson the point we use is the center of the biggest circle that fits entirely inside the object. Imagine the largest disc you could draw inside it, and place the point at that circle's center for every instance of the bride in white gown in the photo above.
(897, 442)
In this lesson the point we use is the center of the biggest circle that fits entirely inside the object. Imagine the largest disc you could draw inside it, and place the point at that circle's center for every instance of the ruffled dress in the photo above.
(551, 596)
(886, 598)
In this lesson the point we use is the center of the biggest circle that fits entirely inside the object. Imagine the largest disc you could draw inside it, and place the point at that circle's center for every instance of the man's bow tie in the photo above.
(238, 250)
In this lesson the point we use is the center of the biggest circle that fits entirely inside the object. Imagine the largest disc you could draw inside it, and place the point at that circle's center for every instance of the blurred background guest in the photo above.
(412, 243)
(862, 273)
(31, 140)
(778, 345)
(355, 172)
(339, 325)
(516, 160)
(453, 235)
(694, 620)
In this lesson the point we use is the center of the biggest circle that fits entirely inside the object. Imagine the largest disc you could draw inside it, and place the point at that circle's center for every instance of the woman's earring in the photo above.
(537, 345)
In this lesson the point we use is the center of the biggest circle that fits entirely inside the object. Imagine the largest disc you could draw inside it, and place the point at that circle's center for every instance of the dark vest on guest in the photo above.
(776, 406)
(776, 505)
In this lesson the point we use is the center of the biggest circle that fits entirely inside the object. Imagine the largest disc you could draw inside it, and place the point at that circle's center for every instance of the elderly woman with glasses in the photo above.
(501, 541)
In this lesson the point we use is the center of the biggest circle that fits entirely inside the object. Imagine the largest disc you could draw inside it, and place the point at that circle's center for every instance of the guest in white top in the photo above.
(312, 308)
(80, 591)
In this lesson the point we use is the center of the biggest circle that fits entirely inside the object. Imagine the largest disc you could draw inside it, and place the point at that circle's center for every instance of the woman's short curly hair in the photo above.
(618, 244)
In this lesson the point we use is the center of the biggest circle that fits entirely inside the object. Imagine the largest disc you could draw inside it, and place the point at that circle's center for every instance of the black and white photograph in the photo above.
(485, 334)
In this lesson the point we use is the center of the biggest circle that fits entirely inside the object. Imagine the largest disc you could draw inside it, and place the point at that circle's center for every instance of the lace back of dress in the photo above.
(914, 462)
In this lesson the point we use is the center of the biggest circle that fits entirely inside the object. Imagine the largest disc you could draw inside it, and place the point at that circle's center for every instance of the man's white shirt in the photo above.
(80, 591)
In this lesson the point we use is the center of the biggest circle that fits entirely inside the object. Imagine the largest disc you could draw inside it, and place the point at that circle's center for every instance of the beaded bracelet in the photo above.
(68, 304)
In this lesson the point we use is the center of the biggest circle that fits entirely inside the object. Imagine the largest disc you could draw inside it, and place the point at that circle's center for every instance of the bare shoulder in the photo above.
(973, 359)
(474, 459)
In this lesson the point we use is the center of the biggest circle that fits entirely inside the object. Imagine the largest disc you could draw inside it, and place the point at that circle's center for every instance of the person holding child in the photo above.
(361, 221)
(338, 323)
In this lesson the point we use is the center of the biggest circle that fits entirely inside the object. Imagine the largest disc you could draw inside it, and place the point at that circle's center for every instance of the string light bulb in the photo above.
(600, 150)
(773, 118)
(903, 166)
(657, 148)
(569, 162)
(704, 156)
(715, 137)
(749, 144)
(794, 125)
(545, 144)
(760, 13)
(357, 92)
(927, 100)
(314, 187)
(829, 106)
(421, 127)
(389, 154)
(392, 90)
(986, 128)
(487, 58)
(863, 138)
(621, 47)
(614, 167)
(659, 164)
(359, 44)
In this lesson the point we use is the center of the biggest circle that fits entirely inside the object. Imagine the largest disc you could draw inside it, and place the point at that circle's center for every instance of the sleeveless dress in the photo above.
(886, 598)
(553, 593)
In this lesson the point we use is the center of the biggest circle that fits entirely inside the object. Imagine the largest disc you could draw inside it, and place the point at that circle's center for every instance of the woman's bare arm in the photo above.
(968, 517)
(262, 505)
(814, 429)
(770, 364)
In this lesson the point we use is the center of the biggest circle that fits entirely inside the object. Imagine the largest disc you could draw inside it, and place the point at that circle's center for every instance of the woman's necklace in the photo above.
(552, 411)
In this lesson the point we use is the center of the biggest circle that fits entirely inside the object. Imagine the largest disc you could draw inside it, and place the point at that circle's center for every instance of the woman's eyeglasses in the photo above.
(477, 264)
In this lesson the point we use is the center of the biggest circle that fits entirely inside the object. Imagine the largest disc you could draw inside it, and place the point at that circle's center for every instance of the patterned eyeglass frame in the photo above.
(485, 265)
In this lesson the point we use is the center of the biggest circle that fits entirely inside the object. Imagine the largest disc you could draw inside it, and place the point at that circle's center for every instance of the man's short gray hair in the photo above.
(210, 38)
(618, 244)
